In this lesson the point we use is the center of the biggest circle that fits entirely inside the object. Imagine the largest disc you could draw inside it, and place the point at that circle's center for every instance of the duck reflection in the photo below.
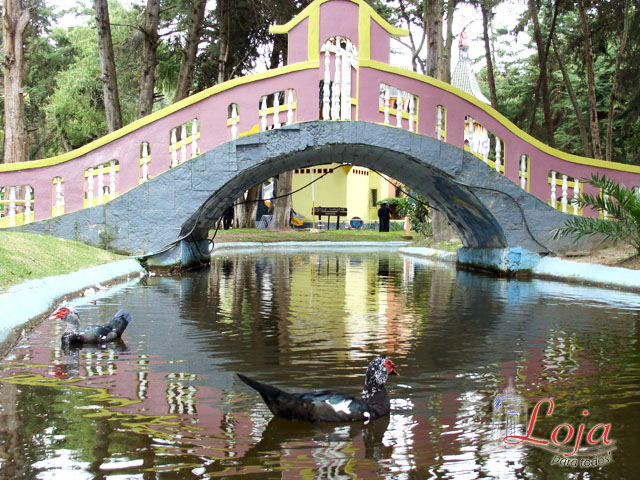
(98, 360)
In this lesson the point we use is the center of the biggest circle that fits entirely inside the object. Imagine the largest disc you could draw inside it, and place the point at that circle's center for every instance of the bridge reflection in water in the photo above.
(166, 398)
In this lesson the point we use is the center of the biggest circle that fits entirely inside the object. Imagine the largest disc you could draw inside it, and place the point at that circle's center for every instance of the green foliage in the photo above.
(415, 208)
(621, 204)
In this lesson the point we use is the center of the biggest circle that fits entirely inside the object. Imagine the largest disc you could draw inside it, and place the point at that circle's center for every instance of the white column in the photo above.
(90, 187)
(386, 104)
(399, 108)
(194, 137)
(290, 107)
(335, 91)
(470, 137)
(263, 116)
(605, 212)
(183, 143)
(174, 148)
(112, 180)
(100, 185)
(59, 197)
(145, 161)
(576, 195)
(498, 154)
(27, 204)
(523, 172)
(552, 196)
(412, 111)
(12, 206)
(234, 121)
(345, 96)
(276, 110)
(564, 193)
(326, 107)
(439, 121)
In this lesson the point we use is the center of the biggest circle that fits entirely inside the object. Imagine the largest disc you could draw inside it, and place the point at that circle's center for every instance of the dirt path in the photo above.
(620, 256)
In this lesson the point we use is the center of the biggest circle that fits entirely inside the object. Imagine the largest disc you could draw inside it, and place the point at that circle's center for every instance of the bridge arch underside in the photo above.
(169, 216)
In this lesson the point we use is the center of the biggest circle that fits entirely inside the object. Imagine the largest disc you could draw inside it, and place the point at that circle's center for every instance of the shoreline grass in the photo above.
(28, 256)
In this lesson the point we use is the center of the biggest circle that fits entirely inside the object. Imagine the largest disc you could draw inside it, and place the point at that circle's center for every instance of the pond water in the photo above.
(165, 402)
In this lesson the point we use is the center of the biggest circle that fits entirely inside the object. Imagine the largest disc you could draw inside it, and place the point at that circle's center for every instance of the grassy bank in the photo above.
(267, 236)
(25, 256)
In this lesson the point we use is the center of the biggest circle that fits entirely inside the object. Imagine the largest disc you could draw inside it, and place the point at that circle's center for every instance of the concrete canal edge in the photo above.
(517, 262)
(27, 302)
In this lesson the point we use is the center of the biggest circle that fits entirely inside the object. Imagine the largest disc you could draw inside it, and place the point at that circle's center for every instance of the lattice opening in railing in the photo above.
(335, 87)
(144, 155)
(484, 144)
(57, 204)
(100, 183)
(17, 202)
(272, 108)
(568, 189)
(523, 172)
(441, 123)
(401, 105)
(233, 119)
(179, 137)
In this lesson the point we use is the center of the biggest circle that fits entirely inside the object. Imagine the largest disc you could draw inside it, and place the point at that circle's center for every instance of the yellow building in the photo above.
(355, 188)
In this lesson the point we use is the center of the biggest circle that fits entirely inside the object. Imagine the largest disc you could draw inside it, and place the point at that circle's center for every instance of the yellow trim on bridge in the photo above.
(110, 137)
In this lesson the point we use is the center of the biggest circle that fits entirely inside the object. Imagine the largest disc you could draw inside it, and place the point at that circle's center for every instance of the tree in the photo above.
(620, 203)
(190, 50)
(486, 8)
(15, 19)
(149, 58)
(107, 66)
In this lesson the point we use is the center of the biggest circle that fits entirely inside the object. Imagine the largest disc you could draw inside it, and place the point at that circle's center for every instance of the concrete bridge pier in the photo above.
(183, 254)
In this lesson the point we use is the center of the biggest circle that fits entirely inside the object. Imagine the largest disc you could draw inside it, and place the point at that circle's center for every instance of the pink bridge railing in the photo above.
(337, 87)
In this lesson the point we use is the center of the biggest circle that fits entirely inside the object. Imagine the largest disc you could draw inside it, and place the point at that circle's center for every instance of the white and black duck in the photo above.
(329, 405)
(77, 335)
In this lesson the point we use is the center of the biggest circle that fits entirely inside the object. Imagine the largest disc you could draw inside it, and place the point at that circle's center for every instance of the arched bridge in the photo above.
(148, 187)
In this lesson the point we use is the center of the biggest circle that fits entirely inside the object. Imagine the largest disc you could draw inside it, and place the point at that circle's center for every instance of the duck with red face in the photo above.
(77, 335)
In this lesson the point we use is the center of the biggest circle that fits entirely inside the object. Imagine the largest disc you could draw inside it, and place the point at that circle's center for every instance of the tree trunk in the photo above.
(445, 69)
(14, 22)
(246, 209)
(107, 66)
(433, 27)
(188, 64)
(486, 13)
(614, 86)
(282, 206)
(586, 146)
(544, 84)
(591, 84)
(149, 58)
(223, 15)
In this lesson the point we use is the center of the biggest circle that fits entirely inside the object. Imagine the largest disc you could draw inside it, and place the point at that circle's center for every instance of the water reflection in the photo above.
(166, 403)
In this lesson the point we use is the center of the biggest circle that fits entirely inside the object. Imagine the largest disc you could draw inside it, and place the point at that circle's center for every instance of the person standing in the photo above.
(384, 214)
(227, 218)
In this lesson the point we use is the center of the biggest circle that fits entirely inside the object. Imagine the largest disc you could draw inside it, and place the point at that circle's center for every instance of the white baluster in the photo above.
(234, 121)
(145, 161)
(335, 91)
(576, 195)
(439, 122)
(194, 137)
(565, 184)
(412, 112)
(183, 143)
(290, 107)
(386, 104)
(345, 96)
(12, 206)
(90, 187)
(112, 180)
(263, 108)
(100, 185)
(523, 172)
(276, 110)
(326, 107)
(174, 148)
(470, 137)
(59, 197)
(27, 204)
(552, 197)
(399, 96)
(498, 154)
(605, 212)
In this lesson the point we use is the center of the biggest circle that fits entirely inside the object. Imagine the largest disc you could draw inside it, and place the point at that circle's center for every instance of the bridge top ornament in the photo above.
(338, 70)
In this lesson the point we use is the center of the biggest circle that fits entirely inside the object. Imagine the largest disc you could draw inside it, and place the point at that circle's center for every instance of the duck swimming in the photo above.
(75, 335)
(329, 405)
